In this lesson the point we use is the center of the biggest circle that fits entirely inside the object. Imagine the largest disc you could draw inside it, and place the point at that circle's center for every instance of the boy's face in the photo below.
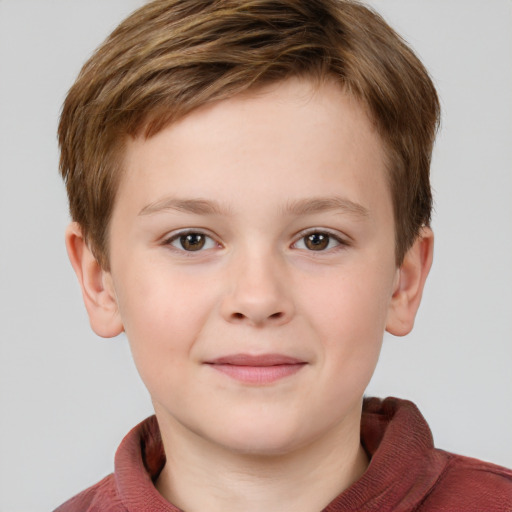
(253, 265)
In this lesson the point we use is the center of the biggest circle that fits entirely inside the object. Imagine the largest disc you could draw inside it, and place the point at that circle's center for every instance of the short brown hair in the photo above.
(172, 56)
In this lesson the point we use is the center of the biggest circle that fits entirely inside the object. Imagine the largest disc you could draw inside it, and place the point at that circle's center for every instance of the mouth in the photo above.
(258, 370)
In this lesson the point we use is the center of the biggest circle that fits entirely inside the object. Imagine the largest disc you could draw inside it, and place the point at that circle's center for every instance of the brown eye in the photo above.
(192, 241)
(317, 241)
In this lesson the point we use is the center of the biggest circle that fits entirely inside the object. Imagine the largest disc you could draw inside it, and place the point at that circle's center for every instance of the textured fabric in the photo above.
(406, 472)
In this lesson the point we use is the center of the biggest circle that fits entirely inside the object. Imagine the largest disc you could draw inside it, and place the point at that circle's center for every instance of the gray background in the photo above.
(68, 397)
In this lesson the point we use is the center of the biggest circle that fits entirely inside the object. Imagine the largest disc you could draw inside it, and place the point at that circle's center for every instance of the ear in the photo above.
(97, 286)
(409, 284)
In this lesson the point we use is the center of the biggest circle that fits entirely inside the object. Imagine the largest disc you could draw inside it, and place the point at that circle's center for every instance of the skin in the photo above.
(255, 176)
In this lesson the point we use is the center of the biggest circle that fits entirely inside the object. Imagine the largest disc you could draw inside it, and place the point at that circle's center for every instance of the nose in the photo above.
(258, 292)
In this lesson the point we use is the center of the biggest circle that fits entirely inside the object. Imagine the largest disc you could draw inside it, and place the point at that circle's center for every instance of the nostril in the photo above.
(274, 316)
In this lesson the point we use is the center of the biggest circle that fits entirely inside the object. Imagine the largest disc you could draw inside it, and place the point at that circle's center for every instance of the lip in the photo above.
(257, 369)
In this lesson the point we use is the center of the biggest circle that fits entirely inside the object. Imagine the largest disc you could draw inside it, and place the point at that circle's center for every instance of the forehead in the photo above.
(296, 134)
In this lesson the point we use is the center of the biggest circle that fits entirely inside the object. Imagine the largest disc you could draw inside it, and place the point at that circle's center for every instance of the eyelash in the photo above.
(209, 240)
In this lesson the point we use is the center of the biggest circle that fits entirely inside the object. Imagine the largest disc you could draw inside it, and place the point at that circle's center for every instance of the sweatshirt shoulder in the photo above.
(100, 497)
(471, 485)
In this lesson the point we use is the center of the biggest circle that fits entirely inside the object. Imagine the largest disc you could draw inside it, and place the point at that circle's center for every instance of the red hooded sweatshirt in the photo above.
(406, 472)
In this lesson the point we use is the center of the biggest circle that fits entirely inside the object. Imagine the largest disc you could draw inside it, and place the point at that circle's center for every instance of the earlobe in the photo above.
(96, 284)
(409, 285)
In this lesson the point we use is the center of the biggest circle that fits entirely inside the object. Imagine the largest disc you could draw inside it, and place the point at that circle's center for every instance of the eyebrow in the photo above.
(196, 206)
(322, 204)
(305, 206)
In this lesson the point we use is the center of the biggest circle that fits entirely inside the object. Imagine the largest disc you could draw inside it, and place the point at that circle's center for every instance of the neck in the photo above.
(199, 476)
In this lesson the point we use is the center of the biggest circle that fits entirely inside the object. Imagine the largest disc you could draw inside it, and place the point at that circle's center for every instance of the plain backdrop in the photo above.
(68, 397)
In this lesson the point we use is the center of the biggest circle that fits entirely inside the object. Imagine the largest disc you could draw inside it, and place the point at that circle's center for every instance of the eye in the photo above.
(318, 241)
(191, 241)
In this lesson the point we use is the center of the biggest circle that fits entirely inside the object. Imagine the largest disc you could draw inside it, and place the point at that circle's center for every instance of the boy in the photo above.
(249, 187)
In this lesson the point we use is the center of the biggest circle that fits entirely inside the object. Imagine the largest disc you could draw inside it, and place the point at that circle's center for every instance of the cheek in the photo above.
(349, 319)
(355, 300)
(163, 313)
